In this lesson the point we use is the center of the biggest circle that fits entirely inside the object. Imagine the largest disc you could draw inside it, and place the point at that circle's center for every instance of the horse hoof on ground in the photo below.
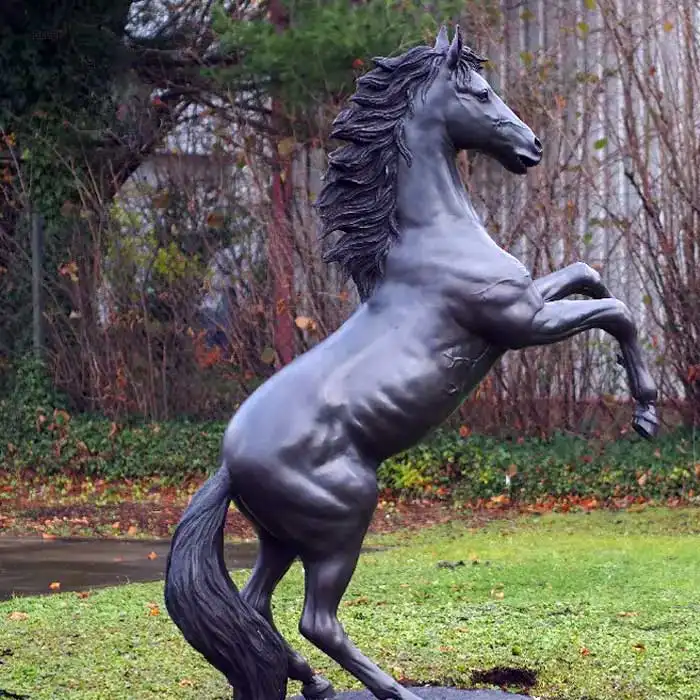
(645, 421)
(318, 689)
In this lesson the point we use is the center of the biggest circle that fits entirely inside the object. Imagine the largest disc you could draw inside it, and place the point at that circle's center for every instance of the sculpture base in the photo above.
(435, 694)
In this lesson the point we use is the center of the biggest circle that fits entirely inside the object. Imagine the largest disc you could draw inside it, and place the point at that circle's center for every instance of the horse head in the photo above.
(461, 103)
(432, 98)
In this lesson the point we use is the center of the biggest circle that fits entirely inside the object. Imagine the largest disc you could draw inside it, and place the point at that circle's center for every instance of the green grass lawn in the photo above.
(601, 606)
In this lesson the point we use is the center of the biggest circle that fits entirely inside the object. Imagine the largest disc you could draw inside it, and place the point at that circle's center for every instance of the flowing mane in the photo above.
(358, 197)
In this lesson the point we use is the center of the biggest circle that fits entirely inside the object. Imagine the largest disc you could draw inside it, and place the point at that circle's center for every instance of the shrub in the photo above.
(50, 441)
(482, 467)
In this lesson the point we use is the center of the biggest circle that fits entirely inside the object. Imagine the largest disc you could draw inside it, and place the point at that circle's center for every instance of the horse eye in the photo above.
(483, 95)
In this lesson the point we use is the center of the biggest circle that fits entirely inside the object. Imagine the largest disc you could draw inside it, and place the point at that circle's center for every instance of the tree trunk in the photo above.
(280, 244)
(281, 253)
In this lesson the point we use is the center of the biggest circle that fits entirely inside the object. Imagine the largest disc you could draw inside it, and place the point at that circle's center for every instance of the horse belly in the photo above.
(396, 407)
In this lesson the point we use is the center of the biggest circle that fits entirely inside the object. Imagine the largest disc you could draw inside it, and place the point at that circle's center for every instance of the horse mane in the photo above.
(358, 197)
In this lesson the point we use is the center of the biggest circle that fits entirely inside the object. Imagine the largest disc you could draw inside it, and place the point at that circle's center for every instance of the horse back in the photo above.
(387, 377)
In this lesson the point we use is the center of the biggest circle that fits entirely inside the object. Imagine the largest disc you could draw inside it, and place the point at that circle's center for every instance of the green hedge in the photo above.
(478, 467)
(444, 466)
(34, 436)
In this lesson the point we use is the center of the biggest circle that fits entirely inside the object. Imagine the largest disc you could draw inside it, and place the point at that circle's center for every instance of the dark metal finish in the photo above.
(441, 303)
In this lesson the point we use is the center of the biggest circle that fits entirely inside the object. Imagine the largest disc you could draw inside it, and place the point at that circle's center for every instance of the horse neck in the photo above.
(433, 211)
(431, 189)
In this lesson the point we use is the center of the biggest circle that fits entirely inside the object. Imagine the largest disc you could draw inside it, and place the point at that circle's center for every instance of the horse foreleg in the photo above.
(578, 278)
(559, 320)
(327, 578)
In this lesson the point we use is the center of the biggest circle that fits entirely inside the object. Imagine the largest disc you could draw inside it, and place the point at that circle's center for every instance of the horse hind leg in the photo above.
(273, 562)
(327, 578)
(324, 512)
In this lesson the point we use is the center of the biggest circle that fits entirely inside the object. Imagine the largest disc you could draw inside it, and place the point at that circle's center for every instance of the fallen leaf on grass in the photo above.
(361, 600)
(55, 586)
(17, 616)
(627, 614)
(584, 651)
(639, 647)
(83, 594)
(153, 610)
(186, 683)
(497, 592)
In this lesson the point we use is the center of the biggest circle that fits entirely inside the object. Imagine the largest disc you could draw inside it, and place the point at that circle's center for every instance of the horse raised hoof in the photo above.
(318, 689)
(645, 421)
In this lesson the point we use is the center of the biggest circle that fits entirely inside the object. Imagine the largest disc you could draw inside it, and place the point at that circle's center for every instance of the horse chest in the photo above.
(477, 280)
(473, 290)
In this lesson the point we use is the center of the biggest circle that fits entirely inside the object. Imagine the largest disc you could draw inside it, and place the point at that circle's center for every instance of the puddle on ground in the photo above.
(29, 566)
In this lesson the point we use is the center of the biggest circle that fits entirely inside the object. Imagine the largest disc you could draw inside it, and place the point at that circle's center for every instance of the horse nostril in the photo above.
(538, 145)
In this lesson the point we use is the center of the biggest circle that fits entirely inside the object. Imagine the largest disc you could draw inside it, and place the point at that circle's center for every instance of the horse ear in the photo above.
(455, 50)
(442, 42)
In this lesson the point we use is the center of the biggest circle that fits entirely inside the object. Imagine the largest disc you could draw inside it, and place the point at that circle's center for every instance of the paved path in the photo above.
(29, 565)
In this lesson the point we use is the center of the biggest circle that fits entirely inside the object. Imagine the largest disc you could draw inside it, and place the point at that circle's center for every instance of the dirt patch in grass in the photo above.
(72, 507)
(506, 677)
(78, 506)
(145, 520)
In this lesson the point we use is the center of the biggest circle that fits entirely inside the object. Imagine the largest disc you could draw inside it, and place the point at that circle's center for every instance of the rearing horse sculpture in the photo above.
(441, 302)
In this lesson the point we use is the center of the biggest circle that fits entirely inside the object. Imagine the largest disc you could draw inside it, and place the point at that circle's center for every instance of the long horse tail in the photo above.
(206, 606)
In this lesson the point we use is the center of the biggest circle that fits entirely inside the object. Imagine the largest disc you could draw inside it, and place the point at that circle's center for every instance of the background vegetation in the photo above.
(166, 302)
(453, 463)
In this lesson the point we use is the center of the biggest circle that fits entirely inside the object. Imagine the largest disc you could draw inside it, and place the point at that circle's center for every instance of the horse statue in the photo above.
(441, 302)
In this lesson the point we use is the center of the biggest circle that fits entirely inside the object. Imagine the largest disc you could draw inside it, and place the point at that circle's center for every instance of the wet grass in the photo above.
(574, 607)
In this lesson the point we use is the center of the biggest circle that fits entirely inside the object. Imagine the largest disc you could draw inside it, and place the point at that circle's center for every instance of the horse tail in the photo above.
(206, 606)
